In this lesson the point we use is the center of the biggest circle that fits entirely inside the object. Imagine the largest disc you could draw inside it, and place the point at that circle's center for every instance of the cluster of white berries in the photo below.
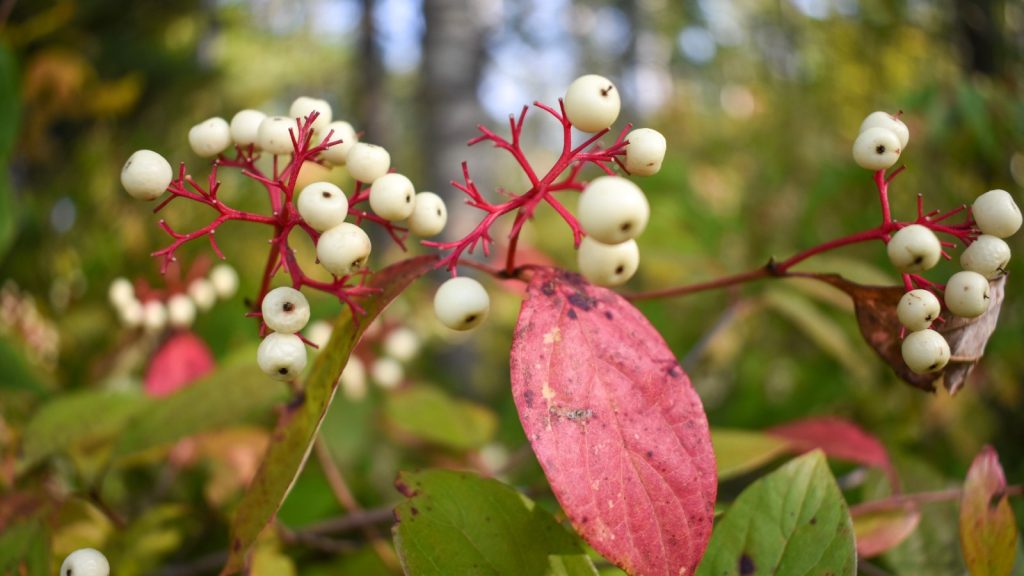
(881, 140)
(85, 562)
(180, 309)
(282, 353)
(399, 345)
(612, 210)
(916, 248)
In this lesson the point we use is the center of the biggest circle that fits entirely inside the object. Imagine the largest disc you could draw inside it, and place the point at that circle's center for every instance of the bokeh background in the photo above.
(760, 101)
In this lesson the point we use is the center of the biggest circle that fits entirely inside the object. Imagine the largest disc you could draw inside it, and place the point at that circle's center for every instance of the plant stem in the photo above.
(904, 500)
(344, 496)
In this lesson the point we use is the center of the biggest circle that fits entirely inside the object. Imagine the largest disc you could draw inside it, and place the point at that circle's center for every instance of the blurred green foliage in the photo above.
(759, 166)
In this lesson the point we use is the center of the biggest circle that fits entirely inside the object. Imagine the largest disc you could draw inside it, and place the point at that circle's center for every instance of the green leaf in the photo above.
(460, 523)
(72, 420)
(9, 103)
(792, 521)
(988, 528)
(8, 217)
(235, 391)
(297, 426)
(740, 451)
(820, 328)
(17, 374)
(25, 549)
(430, 414)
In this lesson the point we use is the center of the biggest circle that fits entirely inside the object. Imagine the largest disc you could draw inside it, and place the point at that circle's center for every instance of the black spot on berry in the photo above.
(439, 212)
(620, 269)
(746, 565)
(288, 307)
(919, 259)
(408, 199)
(470, 318)
(626, 226)
(326, 194)
(282, 371)
(880, 149)
(607, 90)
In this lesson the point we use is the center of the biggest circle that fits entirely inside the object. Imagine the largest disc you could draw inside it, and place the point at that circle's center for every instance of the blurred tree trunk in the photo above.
(982, 36)
(453, 60)
(370, 92)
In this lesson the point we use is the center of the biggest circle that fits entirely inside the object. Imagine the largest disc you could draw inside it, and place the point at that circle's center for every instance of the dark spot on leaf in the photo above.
(581, 301)
(650, 454)
(571, 314)
(814, 520)
(548, 288)
(607, 314)
(746, 564)
(405, 490)
(414, 510)
(528, 398)
(236, 545)
(584, 520)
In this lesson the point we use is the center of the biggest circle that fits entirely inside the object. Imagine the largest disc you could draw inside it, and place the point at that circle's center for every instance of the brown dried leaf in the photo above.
(875, 308)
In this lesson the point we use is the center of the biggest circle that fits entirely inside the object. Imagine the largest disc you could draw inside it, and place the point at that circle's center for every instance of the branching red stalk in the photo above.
(280, 188)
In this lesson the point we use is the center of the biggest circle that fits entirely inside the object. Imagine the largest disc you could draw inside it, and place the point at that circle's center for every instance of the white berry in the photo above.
(592, 103)
(429, 215)
(338, 153)
(613, 209)
(914, 248)
(890, 122)
(285, 310)
(987, 255)
(131, 313)
(303, 106)
(387, 372)
(402, 344)
(146, 175)
(245, 126)
(210, 137)
(275, 135)
(281, 356)
(461, 303)
(353, 379)
(996, 213)
(645, 151)
(154, 316)
(85, 562)
(224, 280)
(322, 205)
(367, 162)
(917, 309)
(876, 149)
(319, 333)
(967, 294)
(202, 293)
(925, 351)
(393, 197)
(344, 249)
(120, 292)
(607, 264)
(181, 311)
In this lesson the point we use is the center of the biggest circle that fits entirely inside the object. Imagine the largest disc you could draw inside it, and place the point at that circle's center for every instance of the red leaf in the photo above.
(880, 531)
(988, 527)
(838, 439)
(181, 360)
(615, 424)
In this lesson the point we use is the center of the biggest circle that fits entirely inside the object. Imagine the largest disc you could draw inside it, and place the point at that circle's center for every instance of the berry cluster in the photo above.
(320, 209)
(915, 247)
(611, 213)
(153, 310)
(966, 293)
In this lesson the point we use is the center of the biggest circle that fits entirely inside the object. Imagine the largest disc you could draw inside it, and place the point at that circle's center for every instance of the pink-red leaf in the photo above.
(882, 530)
(988, 528)
(838, 439)
(615, 424)
(183, 359)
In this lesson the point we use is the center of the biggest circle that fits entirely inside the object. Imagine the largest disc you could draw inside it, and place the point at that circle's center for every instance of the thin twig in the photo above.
(344, 496)
(904, 500)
